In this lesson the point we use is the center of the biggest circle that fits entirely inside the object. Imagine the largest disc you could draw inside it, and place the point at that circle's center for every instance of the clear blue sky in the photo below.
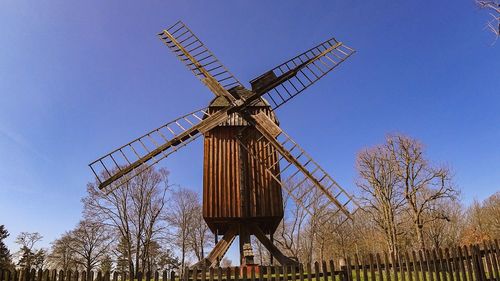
(80, 78)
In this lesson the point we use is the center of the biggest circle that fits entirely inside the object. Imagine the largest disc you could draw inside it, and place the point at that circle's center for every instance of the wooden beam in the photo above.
(282, 259)
(221, 248)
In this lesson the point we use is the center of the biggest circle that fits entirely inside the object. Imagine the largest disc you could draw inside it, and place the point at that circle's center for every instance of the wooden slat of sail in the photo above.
(199, 59)
(290, 78)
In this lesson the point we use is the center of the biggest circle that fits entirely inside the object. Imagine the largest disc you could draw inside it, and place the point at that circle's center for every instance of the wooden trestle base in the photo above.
(244, 230)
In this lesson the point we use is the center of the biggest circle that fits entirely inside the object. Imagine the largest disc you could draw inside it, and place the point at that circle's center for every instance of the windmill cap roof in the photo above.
(241, 92)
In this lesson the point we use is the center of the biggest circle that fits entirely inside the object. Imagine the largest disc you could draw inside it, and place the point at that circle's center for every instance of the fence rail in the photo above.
(466, 263)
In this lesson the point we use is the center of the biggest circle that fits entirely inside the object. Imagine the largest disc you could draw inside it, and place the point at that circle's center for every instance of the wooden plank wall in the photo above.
(235, 184)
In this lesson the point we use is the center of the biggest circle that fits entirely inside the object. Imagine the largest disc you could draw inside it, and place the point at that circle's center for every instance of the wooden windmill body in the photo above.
(246, 153)
(236, 187)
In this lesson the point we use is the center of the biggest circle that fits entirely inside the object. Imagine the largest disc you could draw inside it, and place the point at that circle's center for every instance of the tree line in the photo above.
(407, 203)
(147, 224)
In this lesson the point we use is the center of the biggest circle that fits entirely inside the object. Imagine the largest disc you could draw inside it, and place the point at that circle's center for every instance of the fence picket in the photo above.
(437, 264)
(487, 258)
(301, 272)
(194, 274)
(394, 266)
(387, 272)
(454, 264)
(219, 274)
(494, 261)
(401, 265)
(417, 266)
(443, 265)
(332, 269)
(448, 263)
(349, 268)
(356, 267)
(325, 271)
(210, 274)
(476, 263)
(430, 265)
(468, 262)
(40, 273)
(308, 269)
(497, 251)
(379, 268)
(365, 269)
(372, 269)
(410, 266)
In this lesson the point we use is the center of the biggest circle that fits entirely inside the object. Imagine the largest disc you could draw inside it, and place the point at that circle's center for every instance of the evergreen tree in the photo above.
(5, 256)
(122, 264)
(106, 264)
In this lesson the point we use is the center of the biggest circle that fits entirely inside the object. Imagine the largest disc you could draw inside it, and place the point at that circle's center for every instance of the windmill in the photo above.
(248, 158)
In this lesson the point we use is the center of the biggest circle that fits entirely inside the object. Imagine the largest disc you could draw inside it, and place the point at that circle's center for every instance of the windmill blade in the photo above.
(199, 59)
(322, 190)
(290, 78)
(136, 156)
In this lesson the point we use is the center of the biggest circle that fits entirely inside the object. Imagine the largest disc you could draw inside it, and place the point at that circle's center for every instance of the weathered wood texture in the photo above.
(236, 186)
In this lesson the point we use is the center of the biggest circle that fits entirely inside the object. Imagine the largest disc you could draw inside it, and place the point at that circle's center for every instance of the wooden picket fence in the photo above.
(467, 263)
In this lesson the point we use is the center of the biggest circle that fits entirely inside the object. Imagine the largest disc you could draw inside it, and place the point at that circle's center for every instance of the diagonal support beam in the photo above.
(282, 259)
(220, 249)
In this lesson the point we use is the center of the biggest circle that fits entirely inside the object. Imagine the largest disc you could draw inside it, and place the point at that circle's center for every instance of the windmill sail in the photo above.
(199, 59)
(290, 78)
(136, 156)
(306, 182)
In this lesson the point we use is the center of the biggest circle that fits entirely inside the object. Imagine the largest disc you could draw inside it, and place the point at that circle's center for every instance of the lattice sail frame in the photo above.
(303, 70)
(199, 59)
(127, 155)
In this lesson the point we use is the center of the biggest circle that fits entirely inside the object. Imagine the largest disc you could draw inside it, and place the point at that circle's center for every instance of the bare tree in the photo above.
(134, 208)
(181, 215)
(380, 196)
(290, 232)
(493, 7)
(483, 220)
(421, 183)
(90, 242)
(445, 225)
(61, 255)
(198, 237)
(29, 256)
